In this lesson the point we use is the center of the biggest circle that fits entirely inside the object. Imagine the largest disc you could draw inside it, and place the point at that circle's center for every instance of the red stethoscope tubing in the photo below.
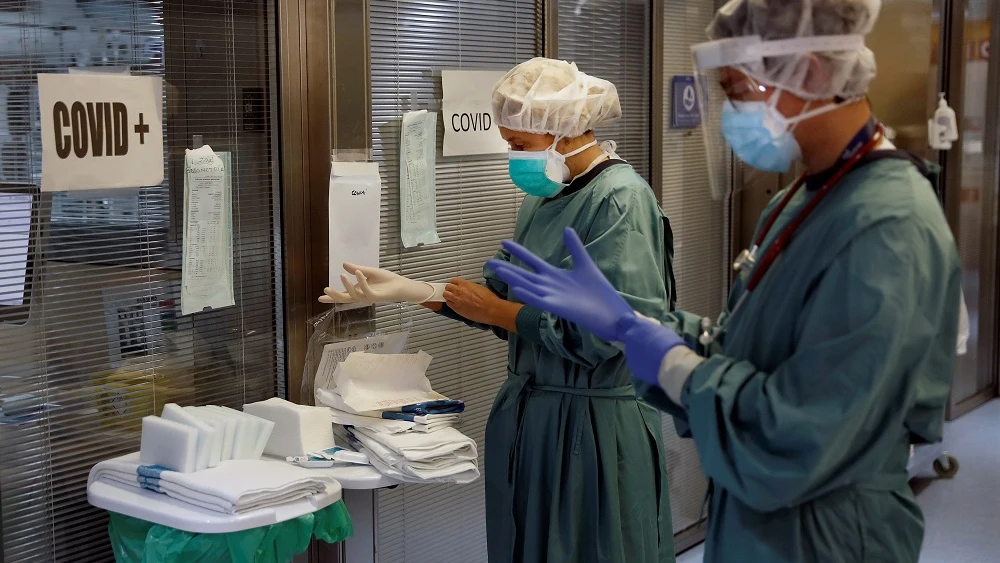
(783, 238)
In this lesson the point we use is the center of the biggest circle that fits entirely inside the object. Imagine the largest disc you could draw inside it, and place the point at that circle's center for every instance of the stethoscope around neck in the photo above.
(746, 262)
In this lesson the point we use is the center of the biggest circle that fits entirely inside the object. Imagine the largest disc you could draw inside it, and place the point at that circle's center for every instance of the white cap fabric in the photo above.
(790, 33)
(548, 96)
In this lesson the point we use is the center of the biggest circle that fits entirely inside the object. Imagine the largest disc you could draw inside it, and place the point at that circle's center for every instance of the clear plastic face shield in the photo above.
(744, 78)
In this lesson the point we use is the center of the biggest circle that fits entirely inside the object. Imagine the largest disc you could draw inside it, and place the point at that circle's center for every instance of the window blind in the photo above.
(701, 233)
(411, 41)
(612, 40)
(101, 342)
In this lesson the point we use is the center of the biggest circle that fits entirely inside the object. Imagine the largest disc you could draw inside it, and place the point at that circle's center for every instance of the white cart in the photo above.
(944, 464)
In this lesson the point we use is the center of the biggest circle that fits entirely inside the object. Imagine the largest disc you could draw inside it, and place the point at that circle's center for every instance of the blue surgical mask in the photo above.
(541, 173)
(527, 171)
(760, 135)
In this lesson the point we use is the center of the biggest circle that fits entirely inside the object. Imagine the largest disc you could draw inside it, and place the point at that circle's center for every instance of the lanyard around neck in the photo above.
(783, 238)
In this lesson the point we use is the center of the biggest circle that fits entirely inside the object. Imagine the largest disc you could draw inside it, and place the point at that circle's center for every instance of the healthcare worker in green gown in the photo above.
(836, 348)
(575, 465)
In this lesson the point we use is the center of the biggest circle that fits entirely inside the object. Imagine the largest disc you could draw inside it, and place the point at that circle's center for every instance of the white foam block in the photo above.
(208, 439)
(266, 431)
(219, 438)
(168, 444)
(256, 431)
(219, 429)
(298, 429)
(228, 425)
(256, 437)
(262, 429)
(244, 438)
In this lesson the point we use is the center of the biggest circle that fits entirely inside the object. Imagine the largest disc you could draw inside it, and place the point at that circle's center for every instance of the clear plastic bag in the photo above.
(342, 325)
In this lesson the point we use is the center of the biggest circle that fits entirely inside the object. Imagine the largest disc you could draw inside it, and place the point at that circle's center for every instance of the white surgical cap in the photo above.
(842, 73)
(553, 97)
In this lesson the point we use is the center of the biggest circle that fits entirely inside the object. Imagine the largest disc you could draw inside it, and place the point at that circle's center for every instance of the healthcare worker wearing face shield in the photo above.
(836, 349)
(575, 465)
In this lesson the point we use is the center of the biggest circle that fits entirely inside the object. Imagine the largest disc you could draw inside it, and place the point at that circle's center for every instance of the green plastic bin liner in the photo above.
(138, 541)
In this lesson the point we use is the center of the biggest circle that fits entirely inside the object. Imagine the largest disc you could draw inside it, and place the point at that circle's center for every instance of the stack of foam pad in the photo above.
(298, 429)
(193, 438)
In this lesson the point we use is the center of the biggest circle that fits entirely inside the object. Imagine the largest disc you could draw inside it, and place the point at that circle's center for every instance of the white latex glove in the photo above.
(375, 285)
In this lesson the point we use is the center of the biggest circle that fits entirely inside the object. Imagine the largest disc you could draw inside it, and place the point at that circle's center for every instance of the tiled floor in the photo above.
(962, 514)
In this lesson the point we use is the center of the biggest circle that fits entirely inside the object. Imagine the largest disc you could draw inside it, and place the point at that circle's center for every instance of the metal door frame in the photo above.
(952, 81)
(991, 145)
(318, 40)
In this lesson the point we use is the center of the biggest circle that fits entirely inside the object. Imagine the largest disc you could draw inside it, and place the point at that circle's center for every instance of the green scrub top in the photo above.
(842, 357)
(575, 467)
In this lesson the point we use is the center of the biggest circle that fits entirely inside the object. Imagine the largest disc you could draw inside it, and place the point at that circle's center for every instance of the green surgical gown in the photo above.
(575, 467)
(842, 357)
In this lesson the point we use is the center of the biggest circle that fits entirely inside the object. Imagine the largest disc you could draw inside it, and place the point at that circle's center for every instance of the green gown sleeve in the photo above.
(869, 339)
(626, 242)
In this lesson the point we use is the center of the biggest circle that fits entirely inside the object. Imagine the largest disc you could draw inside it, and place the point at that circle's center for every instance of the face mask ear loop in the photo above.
(798, 118)
(579, 150)
(806, 113)
(772, 102)
(818, 111)
(781, 123)
(553, 151)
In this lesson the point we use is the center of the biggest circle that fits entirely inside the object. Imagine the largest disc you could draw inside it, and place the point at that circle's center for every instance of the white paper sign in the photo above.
(355, 195)
(336, 352)
(207, 265)
(467, 107)
(100, 131)
(417, 190)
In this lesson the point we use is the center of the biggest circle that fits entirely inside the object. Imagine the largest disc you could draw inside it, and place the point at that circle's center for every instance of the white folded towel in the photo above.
(425, 419)
(446, 456)
(370, 422)
(383, 425)
(460, 473)
(334, 400)
(392, 465)
(443, 445)
(232, 487)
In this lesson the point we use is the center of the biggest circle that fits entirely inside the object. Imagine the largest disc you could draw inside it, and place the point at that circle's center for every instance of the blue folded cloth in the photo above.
(149, 477)
(450, 406)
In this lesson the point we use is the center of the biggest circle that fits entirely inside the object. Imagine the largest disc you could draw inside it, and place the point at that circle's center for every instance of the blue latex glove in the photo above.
(584, 296)
(581, 295)
(646, 344)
